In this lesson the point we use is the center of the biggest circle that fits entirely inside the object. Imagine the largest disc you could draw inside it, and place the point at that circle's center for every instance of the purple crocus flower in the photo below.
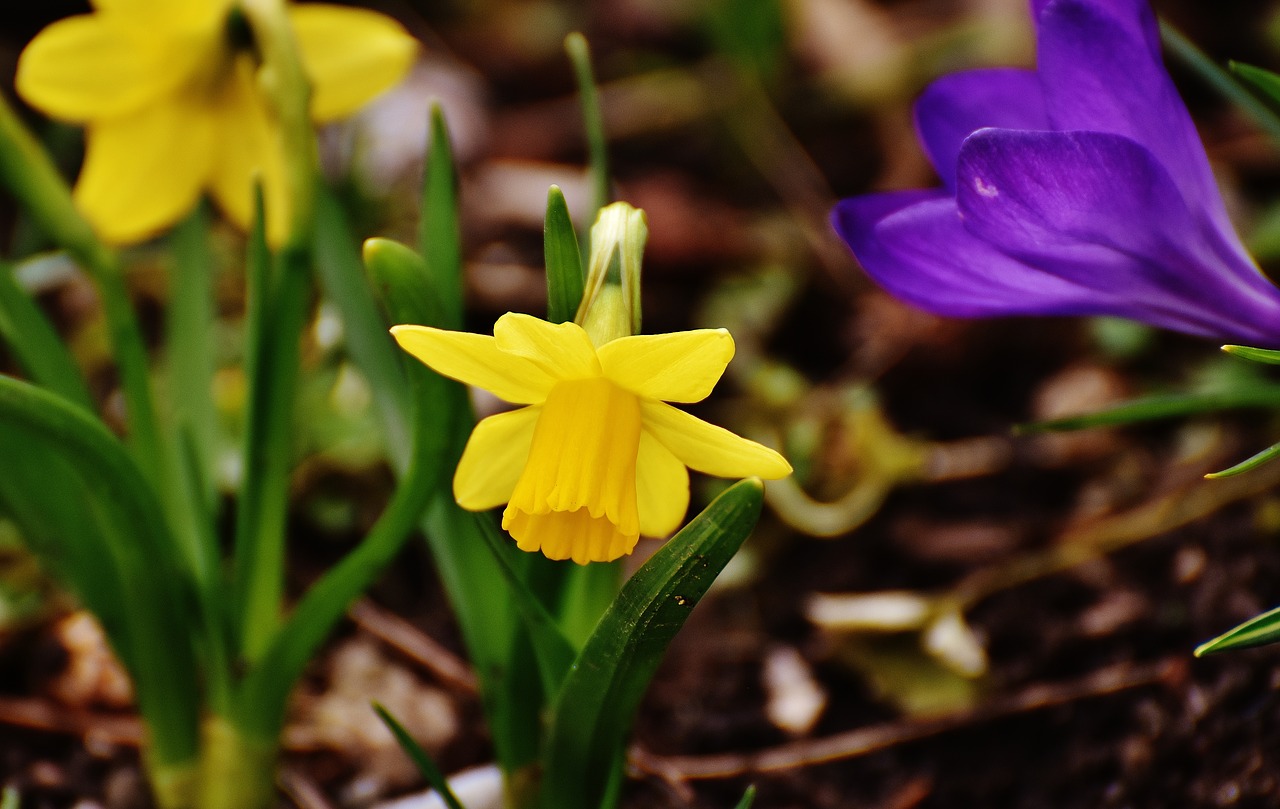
(1079, 188)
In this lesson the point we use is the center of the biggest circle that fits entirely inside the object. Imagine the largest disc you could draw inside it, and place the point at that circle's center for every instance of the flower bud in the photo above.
(610, 305)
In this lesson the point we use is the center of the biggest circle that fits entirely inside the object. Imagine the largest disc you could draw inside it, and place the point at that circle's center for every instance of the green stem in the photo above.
(260, 557)
(278, 318)
(190, 360)
(267, 688)
(237, 769)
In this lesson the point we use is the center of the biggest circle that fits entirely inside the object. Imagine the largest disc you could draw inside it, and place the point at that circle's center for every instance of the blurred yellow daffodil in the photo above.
(597, 457)
(168, 93)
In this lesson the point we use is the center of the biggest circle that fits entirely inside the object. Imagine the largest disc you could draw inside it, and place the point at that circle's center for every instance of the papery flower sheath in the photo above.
(168, 94)
(1079, 188)
(596, 457)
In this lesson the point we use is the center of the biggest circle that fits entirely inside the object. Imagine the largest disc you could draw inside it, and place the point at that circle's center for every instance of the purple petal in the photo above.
(954, 107)
(914, 244)
(1100, 65)
(1099, 210)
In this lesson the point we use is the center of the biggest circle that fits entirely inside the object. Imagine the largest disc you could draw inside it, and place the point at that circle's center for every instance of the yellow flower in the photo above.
(597, 457)
(168, 94)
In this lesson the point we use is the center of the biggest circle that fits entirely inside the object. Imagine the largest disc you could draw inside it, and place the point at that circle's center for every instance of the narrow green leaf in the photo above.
(277, 309)
(1260, 630)
(35, 344)
(346, 286)
(29, 172)
(439, 232)
(489, 625)
(553, 651)
(190, 347)
(575, 45)
(588, 590)
(1220, 80)
(752, 33)
(67, 539)
(267, 687)
(1263, 82)
(565, 273)
(435, 407)
(593, 713)
(404, 283)
(421, 758)
(1262, 355)
(1167, 406)
(158, 599)
(268, 684)
(748, 798)
(187, 488)
(1253, 462)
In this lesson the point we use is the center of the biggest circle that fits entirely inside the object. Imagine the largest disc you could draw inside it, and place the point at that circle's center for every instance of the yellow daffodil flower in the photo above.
(596, 457)
(168, 94)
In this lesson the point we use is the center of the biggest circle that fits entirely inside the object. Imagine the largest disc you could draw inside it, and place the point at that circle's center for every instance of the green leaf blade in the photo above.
(565, 273)
(1262, 355)
(421, 758)
(1261, 630)
(594, 710)
(1250, 463)
(579, 52)
(153, 600)
(439, 231)
(1153, 408)
(36, 346)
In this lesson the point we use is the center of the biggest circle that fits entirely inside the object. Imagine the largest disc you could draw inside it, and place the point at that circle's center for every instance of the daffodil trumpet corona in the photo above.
(169, 94)
(595, 457)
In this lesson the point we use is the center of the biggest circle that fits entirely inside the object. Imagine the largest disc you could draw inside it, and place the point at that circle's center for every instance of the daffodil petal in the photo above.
(350, 55)
(562, 350)
(679, 367)
(474, 359)
(143, 172)
(494, 458)
(249, 151)
(708, 448)
(169, 11)
(662, 488)
(88, 66)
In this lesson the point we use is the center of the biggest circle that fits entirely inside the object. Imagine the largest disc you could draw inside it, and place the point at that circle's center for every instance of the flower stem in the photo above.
(283, 82)
(237, 769)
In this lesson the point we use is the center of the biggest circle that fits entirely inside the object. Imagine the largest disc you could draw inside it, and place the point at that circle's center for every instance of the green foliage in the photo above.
(565, 273)
(593, 711)
(35, 344)
(123, 563)
(1235, 85)
(439, 232)
(575, 45)
(1252, 462)
(1260, 395)
(1262, 355)
(421, 759)
(751, 33)
(1260, 630)
(277, 305)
